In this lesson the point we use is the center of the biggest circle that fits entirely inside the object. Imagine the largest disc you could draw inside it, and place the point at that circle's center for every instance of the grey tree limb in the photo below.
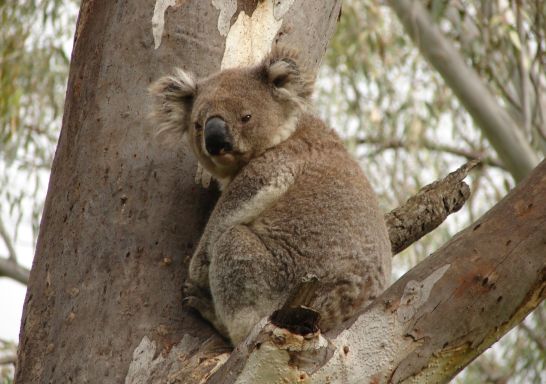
(10, 358)
(427, 209)
(429, 324)
(12, 255)
(497, 125)
(394, 143)
(9, 268)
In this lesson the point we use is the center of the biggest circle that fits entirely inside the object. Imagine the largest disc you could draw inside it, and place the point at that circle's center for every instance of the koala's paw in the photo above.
(190, 289)
(198, 301)
(206, 309)
(202, 177)
(204, 306)
(196, 298)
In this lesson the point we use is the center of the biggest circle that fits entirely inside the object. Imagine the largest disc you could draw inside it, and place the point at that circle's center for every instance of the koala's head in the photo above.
(236, 114)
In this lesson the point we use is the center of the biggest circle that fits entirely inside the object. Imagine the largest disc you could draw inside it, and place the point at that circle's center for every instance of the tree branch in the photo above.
(523, 71)
(7, 240)
(428, 209)
(433, 321)
(11, 269)
(8, 359)
(415, 218)
(394, 143)
(537, 339)
(502, 132)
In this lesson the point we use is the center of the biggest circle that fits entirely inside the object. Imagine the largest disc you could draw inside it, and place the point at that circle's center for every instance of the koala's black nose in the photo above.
(217, 138)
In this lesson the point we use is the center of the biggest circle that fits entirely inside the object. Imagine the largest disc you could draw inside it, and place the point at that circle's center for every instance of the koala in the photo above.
(293, 204)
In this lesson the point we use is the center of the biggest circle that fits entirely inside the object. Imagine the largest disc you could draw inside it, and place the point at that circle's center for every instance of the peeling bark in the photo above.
(122, 214)
(426, 210)
(433, 321)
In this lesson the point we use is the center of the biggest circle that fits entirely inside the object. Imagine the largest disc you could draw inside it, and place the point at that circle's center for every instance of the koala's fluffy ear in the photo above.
(174, 97)
(290, 80)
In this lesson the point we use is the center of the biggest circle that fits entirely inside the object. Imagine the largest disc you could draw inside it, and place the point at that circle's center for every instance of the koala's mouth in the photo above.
(215, 151)
(218, 141)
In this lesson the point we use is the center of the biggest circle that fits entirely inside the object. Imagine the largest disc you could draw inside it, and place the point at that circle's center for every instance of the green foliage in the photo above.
(34, 49)
(33, 72)
(504, 41)
(394, 111)
(6, 370)
(407, 128)
(400, 118)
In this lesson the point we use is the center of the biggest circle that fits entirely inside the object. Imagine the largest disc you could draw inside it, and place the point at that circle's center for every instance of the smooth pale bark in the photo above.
(123, 214)
(433, 321)
(497, 125)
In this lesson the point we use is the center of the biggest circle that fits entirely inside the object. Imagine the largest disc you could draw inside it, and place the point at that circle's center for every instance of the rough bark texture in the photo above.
(123, 214)
(428, 208)
(433, 321)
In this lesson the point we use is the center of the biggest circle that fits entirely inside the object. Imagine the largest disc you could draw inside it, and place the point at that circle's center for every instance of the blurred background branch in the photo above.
(9, 268)
(397, 114)
(407, 126)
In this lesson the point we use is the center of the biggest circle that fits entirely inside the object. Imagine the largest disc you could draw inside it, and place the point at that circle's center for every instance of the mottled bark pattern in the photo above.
(433, 321)
(123, 213)
(428, 209)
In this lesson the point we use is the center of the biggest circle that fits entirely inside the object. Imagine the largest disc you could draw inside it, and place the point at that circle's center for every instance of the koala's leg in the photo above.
(199, 300)
(198, 272)
(245, 281)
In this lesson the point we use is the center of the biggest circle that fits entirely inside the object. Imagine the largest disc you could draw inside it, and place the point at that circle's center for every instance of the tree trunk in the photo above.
(122, 214)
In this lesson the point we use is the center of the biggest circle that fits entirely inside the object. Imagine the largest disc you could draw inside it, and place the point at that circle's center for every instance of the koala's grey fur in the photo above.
(294, 202)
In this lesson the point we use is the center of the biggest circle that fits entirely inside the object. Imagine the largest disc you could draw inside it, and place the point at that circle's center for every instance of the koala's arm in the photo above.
(247, 196)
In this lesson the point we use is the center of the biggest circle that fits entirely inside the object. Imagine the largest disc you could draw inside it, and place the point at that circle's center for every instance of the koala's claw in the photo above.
(202, 177)
(198, 299)
(190, 289)
(197, 303)
(204, 307)
(206, 310)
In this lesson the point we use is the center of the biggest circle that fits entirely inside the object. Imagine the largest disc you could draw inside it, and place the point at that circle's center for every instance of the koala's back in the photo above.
(328, 223)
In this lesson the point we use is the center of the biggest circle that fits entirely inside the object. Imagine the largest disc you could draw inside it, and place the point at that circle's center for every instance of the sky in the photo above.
(12, 293)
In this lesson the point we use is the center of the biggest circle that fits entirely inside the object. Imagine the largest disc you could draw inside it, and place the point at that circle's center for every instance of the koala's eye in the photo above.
(246, 118)
(198, 126)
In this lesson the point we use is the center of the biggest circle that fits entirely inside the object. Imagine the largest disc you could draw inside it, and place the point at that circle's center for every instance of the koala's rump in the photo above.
(329, 224)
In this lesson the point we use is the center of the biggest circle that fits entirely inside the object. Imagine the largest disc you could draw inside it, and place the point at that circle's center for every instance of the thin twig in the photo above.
(540, 342)
(7, 240)
(536, 81)
(524, 76)
(431, 146)
(502, 88)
